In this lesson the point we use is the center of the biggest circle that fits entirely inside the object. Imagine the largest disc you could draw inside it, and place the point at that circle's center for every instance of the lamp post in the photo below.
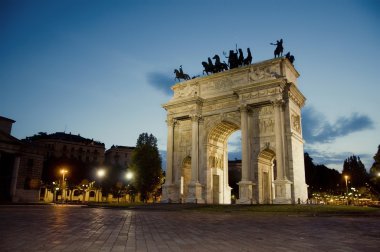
(129, 176)
(346, 179)
(100, 173)
(63, 172)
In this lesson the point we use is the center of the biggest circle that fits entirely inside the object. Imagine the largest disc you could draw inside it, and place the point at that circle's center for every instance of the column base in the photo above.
(246, 193)
(170, 194)
(195, 193)
(283, 191)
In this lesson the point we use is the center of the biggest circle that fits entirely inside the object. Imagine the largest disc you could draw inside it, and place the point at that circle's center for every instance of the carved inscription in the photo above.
(260, 93)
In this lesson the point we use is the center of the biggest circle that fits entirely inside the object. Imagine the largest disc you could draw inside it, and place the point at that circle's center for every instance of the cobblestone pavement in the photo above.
(70, 228)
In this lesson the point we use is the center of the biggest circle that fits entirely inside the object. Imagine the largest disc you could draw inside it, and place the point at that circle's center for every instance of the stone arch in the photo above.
(264, 102)
(266, 175)
(217, 161)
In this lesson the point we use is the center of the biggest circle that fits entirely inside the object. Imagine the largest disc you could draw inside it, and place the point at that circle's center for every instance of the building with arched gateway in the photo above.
(263, 101)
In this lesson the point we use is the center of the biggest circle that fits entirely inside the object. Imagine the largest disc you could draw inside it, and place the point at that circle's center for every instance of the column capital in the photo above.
(171, 122)
(243, 107)
(278, 102)
(195, 117)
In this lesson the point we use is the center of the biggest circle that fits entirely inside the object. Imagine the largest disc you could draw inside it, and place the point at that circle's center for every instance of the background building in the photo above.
(119, 156)
(20, 166)
(78, 155)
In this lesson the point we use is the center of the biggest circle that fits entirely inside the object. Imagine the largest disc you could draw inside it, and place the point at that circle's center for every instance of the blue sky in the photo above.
(102, 69)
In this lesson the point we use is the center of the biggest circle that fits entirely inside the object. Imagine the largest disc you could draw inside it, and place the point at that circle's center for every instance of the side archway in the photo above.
(267, 172)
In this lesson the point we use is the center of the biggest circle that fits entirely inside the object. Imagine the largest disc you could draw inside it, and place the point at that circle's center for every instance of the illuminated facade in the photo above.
(264, 102)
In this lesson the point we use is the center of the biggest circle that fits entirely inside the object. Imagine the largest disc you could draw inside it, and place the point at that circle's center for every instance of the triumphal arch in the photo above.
(263, 101)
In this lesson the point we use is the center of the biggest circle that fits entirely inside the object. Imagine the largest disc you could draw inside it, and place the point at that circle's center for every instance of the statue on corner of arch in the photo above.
(179, 74)
(279, 48)
(290, 57)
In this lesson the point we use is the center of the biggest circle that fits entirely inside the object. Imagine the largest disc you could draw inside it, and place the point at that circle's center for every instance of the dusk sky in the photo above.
(102, 69)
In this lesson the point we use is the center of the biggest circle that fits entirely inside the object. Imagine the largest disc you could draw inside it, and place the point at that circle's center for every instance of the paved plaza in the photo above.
(76, 228)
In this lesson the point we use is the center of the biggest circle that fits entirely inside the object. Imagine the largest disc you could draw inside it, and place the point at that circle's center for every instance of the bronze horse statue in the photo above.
(279, 48)
(207, 68)
(219, 66)
(180, 75)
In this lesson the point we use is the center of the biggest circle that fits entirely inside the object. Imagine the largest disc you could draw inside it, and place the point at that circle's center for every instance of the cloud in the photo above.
(336, 159)
(161, 81)
(316, 129)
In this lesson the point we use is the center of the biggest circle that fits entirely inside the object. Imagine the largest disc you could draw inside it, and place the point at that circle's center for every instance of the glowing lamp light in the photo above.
(129, 175)
(101, 173)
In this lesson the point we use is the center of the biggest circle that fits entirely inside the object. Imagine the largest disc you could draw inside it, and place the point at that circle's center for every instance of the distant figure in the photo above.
(290, 57)
(241, 57)
(279, 48)
(248, 60)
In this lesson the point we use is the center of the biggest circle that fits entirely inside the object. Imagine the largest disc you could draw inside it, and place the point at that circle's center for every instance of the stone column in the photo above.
(16, 166)
(278, 133)
(282, 184)
(194, 147)
(244, 144)
(195, 188)
(245, 185)
(168, 189)
(169, 152)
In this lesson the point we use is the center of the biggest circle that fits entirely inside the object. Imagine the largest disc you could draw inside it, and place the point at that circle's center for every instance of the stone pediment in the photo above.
(261, 73)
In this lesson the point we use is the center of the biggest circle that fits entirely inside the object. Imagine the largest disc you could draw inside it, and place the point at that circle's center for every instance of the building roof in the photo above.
(120, 148)
(62, 136)
(7, 119)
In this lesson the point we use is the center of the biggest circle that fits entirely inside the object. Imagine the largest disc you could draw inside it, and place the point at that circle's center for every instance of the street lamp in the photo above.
(129, 175)
(100, 173)
(346, 178)
(63, 172)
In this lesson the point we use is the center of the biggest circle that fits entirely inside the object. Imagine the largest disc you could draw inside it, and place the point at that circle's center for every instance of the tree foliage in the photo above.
(354, 168)
(321, 178)
(146, 166)
(375, 170)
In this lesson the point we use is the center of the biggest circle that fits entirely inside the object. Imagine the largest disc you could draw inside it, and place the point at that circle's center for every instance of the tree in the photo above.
(354, 168)
(321, 178)
(375, 170)
(146, 166)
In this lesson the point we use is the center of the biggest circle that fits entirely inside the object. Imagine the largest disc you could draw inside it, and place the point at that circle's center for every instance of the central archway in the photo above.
(217, 161)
